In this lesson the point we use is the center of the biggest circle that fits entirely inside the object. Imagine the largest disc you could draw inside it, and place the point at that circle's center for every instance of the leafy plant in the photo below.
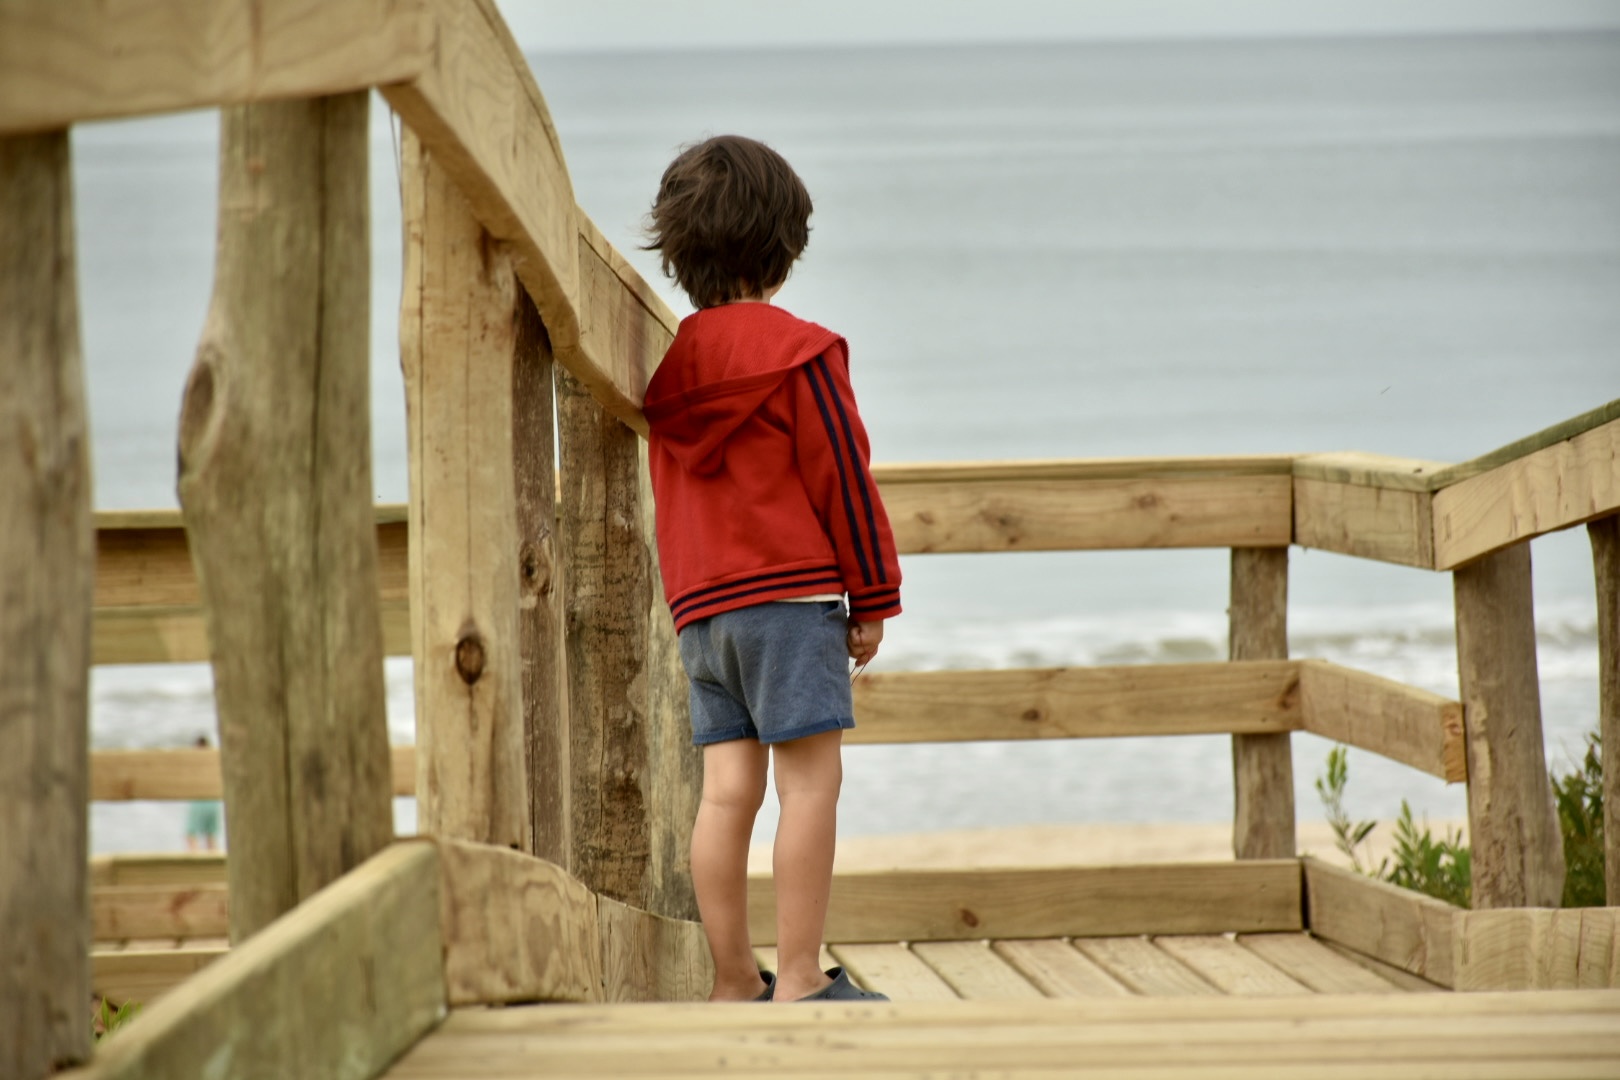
(107, 1019)
(1438, 868)
(1579, 796)
(1348, 835)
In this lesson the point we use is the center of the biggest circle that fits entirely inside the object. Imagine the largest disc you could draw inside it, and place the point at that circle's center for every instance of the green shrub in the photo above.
(105, 1019)
(1579, 796)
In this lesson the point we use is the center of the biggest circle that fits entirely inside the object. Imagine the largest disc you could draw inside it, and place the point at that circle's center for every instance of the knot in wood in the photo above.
(1032, 715)
(535, 568)
(470, 657)
(968, 917)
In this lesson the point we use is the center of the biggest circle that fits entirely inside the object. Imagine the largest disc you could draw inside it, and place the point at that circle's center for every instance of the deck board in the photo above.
(1058, 970)
(1316, 966)
(1144, 967)
(974, 971)
(893, 970)
(1229, 966)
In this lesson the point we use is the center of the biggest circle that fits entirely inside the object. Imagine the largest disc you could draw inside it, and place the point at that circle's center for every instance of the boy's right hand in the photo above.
(863, 640)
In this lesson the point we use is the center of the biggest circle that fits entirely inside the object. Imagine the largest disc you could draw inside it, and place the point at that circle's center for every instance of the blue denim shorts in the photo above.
(772, 672)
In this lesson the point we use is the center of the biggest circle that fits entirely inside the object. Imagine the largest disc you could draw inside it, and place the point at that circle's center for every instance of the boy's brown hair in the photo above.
(730, 218)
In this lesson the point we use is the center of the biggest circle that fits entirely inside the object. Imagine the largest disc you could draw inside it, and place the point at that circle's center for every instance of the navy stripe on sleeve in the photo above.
(843, 479)
(860, 473)
(780, 579)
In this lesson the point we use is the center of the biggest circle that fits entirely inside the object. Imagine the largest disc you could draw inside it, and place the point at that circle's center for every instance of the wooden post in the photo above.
(275, 489)
(1518, 853)
(625, 756)
(1605, 536)
(458, 343)
(1262, 765)
(540, 628)
(47, 552)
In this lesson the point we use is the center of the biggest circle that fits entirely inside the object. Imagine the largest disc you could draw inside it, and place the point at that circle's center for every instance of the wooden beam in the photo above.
(516, 928)
(1389, 525)
(1518, 851)
(1404, 929)
(144, 975)
(278, 403)
(1061, 470)
(159, 911)
(1088, 514)
(66, 61)
(1539, 949)
(647, 957)
(1605, 536)
(180, 635)
(191, 868)
(1089, 702)
(336, 990)
(947, 905)
(1369, 470)
(1399, 722)
(1552, 488)
(458, 344)
(45, 603)
(1560, 432)
(1262, 764)
(120, 775)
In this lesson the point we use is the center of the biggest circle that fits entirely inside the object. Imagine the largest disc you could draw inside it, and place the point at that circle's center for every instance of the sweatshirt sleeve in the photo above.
(834, 459)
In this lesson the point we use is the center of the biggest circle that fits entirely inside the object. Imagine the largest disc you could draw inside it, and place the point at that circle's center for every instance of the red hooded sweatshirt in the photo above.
(760, 469)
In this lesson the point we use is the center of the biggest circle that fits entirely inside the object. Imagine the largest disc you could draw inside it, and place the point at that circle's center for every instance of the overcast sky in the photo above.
(544, 25)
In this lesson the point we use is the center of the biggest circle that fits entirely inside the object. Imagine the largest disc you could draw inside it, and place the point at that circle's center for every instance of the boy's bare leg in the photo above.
(809, 772)
(733, 789)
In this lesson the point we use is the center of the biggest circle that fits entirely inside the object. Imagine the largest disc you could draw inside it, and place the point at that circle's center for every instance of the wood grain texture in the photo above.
(1397, 721)
(144, 975)
(956, 905)
(976, 972)
(1539, 949)
(1068, 469)
(1399, 927)
(1369, 470)
(1518, 851)
(167, 869)
(1144, 968)
(142, 635)
(458, 345)
(1262, 764)
(278, 403)
(1399, 977)
(1088, 514)
(516, 928)
(893, 969)
(64, 61)
(1394, 526)
(122, 775)
(1315, 965)
(45, 603)
(1058, 969)
(335, 991)
(175, 911)
(1605, 537)
(1094, 702)
(1549, 489)
(647, 957)
(1229, 967)
(1560, 432)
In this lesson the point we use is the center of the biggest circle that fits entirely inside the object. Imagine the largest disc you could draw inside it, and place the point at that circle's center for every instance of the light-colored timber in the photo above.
(117, 775)
(1518, 851)
(1388, 524)
(458, 346)
(648, 957)
(892, 968)
(1539, 949)
(1317, 966)
(337, 989)
(144, 975)
(1605, 537)
(187, 910)
(294, 625)
(1231, 968)
(1369, 470)
(1563, 484)
(974, 904)
(1262, 764)
(975, 971)
(1391, 719)
(45, 603)
(1058, 969)
(167, 869)
(1563, 431)
(1399, 927)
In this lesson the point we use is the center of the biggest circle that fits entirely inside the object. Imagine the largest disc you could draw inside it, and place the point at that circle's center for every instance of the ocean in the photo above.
(1408, 246)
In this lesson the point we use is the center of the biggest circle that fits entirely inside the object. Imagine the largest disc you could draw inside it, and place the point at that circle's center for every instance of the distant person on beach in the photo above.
(202, 818)
(767, 518)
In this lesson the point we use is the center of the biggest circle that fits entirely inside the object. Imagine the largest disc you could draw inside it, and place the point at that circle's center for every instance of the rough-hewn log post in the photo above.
(275, 487)
(1262, 765)
(46, 552)
(1518, 855)
(1605, 535)
(458, 341)
(625, 757)
(540, 632)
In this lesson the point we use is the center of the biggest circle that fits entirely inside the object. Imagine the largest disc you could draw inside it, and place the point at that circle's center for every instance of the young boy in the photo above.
(767, 517)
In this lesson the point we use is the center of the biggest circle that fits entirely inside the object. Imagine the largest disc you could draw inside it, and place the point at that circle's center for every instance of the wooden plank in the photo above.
(897, 476)
(119, 775)
(1095, 702)
(1058, 969)
(1392, 526)
(458, 345)
(647, 957)
(180, 635)
(1605, 537)
(1397, 926)
(1560, 432)
(150, 911)
(1386, 717)
(516, 928)
(1518, 850)
(1089, 515)
(625, 327)
(1229, 967)
(1312, 964)
(189, 868)
(891, 968)
(1262, 764)
(1553, 488)
(1143, 967)
(335, 991)
(45, 601)
(974, 971)
(1368, 470)
(954, 905)
(1539, 949)
(147, 974)
(1398, 977)
(65, 61)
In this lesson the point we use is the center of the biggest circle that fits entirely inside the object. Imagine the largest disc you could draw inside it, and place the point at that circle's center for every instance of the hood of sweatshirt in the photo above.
(724, 363)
